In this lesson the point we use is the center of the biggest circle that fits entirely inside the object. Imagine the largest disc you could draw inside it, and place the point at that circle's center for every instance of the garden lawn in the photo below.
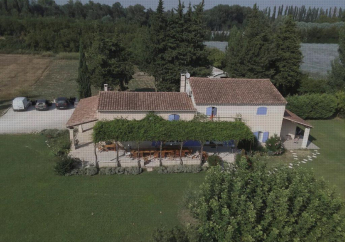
(329, 136)
(37, 205)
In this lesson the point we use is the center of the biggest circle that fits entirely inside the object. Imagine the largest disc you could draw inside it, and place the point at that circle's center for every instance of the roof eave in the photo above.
(294, 121)
(75, 124)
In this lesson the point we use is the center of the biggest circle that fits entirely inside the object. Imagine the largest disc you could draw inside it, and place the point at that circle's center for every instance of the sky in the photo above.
(168, 4)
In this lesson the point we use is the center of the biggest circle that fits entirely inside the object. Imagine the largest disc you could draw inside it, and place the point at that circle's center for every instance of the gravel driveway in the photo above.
(33, 121)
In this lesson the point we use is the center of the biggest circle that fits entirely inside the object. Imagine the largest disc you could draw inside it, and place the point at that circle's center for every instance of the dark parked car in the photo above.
(62, 103)
(42, 104)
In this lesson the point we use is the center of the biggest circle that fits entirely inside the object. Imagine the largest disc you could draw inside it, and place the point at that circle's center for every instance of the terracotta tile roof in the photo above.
(235, 91)
(288, 115)
(85, 112)
(144, 101)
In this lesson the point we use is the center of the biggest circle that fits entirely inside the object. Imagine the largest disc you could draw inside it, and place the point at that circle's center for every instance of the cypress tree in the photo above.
(274, 13)
(289, 57)
(83, 78)
(158, 44)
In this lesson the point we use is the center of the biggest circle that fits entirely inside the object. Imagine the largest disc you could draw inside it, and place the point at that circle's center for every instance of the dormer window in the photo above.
(261, 111)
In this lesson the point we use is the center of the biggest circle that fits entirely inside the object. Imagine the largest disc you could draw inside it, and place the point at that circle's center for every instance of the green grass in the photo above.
(58, 81)
(329, 136)
(37, 205)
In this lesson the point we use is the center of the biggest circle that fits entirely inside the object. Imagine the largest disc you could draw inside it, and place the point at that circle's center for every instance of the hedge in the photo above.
(313, 106)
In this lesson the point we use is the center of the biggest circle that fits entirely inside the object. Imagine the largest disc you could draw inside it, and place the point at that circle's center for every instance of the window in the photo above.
(261, 136)
(173, 117)
(261, 111)
(211, 111)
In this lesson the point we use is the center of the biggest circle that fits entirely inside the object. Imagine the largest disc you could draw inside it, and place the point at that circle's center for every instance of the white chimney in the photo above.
(183, 82)
(105, 87)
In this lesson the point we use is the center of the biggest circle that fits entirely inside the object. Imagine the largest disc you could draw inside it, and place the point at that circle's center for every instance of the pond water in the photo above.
(316, 57)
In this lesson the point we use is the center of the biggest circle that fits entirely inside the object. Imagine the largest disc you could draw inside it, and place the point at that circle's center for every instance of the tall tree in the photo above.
(158, 44)
(109, 63)
(289, 58)
(256, 57)
(83, 80)
(337, 74)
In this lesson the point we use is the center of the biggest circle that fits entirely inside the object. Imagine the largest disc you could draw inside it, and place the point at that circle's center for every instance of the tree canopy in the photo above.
(248, 201)
(108, 62)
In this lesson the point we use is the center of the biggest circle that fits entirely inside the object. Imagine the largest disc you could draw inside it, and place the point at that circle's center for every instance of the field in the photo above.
(37, 205)
(316, 57)
(41, 76)
(329, 135)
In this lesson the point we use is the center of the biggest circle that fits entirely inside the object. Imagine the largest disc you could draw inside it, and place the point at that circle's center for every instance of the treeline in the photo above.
(302, 14)
(76, 10)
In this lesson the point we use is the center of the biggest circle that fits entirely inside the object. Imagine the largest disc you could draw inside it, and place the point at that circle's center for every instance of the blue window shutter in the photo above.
(214, 111)
(176, 117)
(209, 111)
(265, 137)
(171, 117)
(261, 111)
(256, 134)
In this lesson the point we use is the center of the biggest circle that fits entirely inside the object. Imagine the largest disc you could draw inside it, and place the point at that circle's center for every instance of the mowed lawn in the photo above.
(329, 136)
(37, 205)
(330, 164)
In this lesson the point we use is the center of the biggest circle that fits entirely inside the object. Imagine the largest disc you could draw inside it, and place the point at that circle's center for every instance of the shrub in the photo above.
(120, 170)
(340, 104)
(310, 85)
(214, 160)
(313, 106)
(274, 145)
(66, 165)
(91, 171)
(179, 169)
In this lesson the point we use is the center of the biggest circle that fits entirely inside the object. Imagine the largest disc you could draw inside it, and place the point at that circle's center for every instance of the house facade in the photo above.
(254, 101)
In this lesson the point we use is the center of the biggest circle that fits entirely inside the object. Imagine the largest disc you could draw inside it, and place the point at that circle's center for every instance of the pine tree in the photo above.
(255, 57)
(289, 57)
(83, 80)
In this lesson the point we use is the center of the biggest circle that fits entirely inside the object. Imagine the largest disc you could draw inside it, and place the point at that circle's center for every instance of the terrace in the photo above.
(148, 153)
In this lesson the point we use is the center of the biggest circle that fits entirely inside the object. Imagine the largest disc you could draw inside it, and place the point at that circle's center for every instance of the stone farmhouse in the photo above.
(255, 101)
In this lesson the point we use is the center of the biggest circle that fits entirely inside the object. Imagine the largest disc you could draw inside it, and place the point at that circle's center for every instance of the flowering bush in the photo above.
(274, 145)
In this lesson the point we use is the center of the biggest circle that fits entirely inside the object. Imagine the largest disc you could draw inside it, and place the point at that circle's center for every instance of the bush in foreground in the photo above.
(253, 203)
